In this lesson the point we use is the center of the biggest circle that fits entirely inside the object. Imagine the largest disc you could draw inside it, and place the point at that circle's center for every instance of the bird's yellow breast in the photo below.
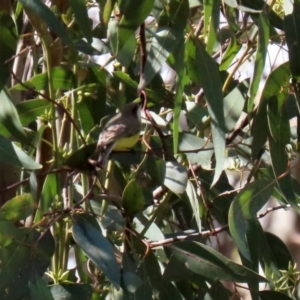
(125, 144)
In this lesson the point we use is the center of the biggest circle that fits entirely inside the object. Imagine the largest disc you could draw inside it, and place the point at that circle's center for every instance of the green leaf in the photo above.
(61, 79)
(245, 207)
(233, 107)
(197, 150)
(8, 44)
(272, 295)
(209, 78)
(166, 38)
(176, 177)
(89, 237)
(71, 291)
(9, 233)
(180, 82)
(9, 117)
(261, 53)
(18, 208)
(79, 158)
(211, 23)
(12, 155)
(230, 53)
(280, 252)
(193, 198)
(30, 110)
(133, 15)
(80, 11)
(279, 139)
(292, 28)
(48, 196)
(44, 12)
(27, 257)
(168, 291)
(133, 198)
(131, 281)
(39, 289)
(153, 232)
(278, 78)
(207, 262)
(106, 11)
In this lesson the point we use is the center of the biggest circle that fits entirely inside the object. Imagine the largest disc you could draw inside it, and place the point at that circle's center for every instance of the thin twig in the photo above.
(59, 105)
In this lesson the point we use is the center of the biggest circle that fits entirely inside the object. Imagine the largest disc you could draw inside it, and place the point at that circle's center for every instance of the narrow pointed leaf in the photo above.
(209, 78)
(11, 154)
(80, 11)
(261, 53)
(10, 119)
(44, 12)
(205, 261)
(245, 207)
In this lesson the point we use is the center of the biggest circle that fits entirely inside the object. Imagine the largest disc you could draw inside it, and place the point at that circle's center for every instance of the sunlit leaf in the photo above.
(18, 208)
(61, 79)
(175, 177)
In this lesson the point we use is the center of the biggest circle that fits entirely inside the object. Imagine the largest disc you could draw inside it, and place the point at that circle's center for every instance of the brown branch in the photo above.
(15, 185)
(186, 236)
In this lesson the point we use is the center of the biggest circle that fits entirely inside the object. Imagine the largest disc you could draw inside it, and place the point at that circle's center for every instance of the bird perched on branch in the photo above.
(120, 133)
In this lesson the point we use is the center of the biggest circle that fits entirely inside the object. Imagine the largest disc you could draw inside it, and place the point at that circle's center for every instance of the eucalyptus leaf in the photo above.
(91, 240)
(11, 154)
(175, 177)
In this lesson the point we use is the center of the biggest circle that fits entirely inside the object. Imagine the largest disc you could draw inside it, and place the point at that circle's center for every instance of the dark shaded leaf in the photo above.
(133, 198)
(207, 262)
(22, 261)
(272, 295)
(278, 78)
(80, 11)
(89, 237)
(9, 117)
(44, 12)
(245, 207)
(218, 292)
(8, 44)
(209, 78)
(39, 289)
(11, 154)
(71, 291)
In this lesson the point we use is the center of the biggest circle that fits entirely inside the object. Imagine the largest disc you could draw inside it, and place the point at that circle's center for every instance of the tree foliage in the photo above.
(143, 228)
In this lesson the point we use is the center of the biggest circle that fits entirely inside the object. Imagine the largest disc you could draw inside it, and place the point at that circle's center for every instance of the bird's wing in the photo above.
(111, 134)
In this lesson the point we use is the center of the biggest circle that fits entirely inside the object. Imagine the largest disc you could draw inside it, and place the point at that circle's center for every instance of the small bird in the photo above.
(120, 133)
